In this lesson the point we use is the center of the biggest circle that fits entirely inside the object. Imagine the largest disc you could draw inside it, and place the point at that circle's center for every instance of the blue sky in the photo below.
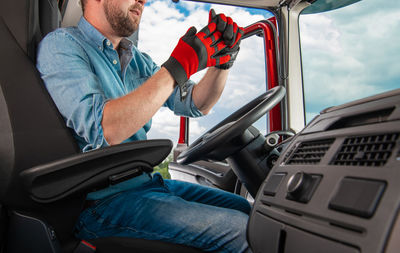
(347, 54)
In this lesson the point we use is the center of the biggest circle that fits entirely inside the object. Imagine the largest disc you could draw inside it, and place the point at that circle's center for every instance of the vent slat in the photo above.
(309, 152)
(372, 150)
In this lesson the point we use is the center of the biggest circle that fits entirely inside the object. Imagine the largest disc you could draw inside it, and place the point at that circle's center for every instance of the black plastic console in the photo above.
(336, 188)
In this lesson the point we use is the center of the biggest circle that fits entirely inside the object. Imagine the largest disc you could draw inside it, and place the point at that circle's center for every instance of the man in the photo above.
(108, 91)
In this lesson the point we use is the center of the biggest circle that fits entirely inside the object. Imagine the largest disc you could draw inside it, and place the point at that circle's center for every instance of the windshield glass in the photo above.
(349, 53)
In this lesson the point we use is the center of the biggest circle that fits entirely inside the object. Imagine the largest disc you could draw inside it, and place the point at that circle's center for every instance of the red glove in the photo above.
(231, 34)
(195, 52)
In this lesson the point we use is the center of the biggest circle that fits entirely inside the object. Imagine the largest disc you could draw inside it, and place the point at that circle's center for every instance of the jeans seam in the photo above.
(129, 228)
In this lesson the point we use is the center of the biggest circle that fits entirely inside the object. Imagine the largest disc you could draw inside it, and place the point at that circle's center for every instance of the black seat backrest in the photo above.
(50, 16)
(31, 130)
(22, 19)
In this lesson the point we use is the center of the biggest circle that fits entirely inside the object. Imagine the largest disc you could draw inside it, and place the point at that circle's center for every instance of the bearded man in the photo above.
(108, 91)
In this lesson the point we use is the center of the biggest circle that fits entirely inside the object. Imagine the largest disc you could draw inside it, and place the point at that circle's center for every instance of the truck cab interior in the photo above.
(331, 185)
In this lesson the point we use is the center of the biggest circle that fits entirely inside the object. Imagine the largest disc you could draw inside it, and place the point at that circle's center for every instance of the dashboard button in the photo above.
(358, 196)
(272, 185)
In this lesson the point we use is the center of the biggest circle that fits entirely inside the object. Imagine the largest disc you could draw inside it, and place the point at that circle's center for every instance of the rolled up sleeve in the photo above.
(186, 107)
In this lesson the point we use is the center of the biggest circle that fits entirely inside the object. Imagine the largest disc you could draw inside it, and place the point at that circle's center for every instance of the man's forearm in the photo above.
(124, 116)
(207, 92)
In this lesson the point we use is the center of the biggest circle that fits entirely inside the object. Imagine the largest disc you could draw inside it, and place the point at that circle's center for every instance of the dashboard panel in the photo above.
(336, 187)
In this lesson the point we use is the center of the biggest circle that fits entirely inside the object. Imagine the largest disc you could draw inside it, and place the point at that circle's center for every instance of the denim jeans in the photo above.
(171, 211)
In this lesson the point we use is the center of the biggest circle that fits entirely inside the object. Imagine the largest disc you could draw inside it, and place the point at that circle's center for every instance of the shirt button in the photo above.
(108, 43)
(114, 62)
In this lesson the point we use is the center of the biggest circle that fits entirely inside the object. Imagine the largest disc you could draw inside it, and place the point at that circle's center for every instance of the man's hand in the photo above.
(195, 52)
(231, 34)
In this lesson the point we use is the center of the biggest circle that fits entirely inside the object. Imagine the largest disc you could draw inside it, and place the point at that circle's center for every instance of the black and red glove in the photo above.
(195, 52)
(231, 34)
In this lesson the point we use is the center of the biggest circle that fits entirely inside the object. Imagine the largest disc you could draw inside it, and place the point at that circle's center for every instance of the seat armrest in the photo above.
(92, 170)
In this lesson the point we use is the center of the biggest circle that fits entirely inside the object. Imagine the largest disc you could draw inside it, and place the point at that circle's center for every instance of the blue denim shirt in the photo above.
(82, 71)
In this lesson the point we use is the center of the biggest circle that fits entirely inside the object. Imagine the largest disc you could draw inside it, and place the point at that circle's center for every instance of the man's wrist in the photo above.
(183, 88)
(224, 66)
(169, 75)
(221, 69)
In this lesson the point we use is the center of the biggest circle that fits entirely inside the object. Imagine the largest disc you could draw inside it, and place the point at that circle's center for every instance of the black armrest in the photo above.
(89, 171)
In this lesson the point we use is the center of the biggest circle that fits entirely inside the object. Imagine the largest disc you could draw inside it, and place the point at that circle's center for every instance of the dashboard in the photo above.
(336, 186)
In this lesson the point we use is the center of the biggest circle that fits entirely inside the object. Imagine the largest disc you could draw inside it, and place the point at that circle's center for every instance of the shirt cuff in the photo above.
(96, 136)
(186, 107)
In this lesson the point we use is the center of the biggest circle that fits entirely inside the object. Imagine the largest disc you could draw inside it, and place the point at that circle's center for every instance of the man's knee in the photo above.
(230, 233)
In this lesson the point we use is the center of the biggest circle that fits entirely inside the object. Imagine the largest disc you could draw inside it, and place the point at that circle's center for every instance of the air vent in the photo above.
(372, 150)
(309, 152)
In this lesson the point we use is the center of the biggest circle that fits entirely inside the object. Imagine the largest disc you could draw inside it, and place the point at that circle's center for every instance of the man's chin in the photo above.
(127, 33)
(128, 30)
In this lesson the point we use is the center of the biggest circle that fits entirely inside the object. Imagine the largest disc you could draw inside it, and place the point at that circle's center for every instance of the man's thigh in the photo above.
(208, 195)
(157, 214)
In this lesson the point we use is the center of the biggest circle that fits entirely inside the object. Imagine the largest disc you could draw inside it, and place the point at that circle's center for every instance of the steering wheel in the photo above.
(231, 127)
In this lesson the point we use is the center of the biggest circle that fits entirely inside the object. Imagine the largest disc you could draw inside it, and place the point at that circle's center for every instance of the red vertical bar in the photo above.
(275, 123)
(184, 131)
(275, 118)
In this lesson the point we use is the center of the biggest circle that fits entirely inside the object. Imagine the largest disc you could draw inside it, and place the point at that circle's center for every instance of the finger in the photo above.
(190, 32)
(239, 36)
(214, 39)
(218, 49)
(211, 15)
(208, 30)
(229, 34)
(217, 55)
(218, 46)
(221, 23)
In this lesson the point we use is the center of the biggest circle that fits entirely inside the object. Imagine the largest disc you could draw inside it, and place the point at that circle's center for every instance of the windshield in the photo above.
(349, 53)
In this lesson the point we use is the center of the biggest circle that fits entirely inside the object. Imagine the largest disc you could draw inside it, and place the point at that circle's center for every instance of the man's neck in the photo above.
(105, 29)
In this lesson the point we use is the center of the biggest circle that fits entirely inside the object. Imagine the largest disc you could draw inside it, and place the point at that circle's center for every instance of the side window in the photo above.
(164, 22)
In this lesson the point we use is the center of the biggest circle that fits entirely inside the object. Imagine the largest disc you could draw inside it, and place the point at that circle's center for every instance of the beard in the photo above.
(120, 22)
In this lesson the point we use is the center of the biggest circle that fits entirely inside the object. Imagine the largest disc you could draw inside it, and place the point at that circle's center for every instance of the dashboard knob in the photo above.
(298, 185)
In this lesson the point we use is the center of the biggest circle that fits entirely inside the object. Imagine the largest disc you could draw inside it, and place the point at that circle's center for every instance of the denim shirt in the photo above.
(82, 71)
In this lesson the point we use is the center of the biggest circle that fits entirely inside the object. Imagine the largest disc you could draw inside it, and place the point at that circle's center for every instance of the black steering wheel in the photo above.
(231, 127)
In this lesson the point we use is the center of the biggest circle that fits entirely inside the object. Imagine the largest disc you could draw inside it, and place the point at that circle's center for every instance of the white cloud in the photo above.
(319, 32)
(247, 78)
(196, 128)
(192, 6)
(165, 125)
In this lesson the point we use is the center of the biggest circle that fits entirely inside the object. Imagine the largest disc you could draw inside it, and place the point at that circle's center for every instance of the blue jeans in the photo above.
(171, 211)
